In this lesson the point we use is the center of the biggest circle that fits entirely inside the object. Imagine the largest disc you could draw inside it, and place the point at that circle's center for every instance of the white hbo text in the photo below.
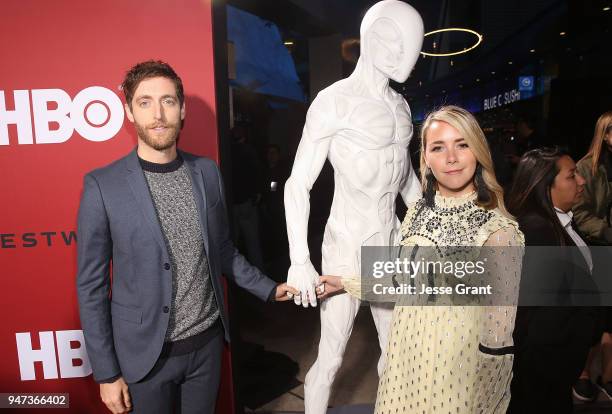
(96, 113)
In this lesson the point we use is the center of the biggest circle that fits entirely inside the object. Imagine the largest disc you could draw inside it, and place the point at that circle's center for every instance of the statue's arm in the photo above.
(311, 154)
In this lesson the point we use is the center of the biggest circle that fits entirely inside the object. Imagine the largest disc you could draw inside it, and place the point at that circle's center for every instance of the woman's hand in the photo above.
(329, 286)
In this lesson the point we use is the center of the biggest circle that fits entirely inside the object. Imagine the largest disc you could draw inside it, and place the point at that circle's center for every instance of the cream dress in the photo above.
(453, 359)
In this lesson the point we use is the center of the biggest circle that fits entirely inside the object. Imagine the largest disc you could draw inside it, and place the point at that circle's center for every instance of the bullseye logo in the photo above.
(96, 113)
(526, 83)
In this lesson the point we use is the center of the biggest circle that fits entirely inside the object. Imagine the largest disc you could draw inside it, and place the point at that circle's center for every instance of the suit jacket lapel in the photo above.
(199, 193)
(139, 187)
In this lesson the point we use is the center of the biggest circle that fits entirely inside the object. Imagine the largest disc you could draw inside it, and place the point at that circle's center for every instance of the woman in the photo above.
(592, 212)
(455, 359)
(592, 215)
(551, 342)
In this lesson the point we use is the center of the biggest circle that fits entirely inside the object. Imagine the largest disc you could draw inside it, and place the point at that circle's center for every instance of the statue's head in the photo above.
(391, 38)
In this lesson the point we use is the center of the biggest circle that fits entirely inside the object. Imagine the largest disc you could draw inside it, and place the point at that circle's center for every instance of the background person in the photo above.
(527, 137)
(273, 209)
(246, 195)
(592, 216)
(551, 342)
(592, 213)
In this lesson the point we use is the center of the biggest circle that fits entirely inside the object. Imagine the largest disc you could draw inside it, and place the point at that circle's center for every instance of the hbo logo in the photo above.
(96, 113)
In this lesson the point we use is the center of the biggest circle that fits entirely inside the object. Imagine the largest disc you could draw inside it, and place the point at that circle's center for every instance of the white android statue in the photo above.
(364, 128)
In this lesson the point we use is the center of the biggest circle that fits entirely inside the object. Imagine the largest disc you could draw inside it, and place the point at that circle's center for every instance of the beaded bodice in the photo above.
(453, 221)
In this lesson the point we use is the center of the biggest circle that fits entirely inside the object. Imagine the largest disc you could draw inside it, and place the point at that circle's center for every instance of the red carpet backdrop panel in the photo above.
(61, 115)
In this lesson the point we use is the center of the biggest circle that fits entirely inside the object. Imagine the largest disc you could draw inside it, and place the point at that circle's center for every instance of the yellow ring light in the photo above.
(454, 29)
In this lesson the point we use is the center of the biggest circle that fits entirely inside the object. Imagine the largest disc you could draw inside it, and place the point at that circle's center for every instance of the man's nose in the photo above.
(158, 111)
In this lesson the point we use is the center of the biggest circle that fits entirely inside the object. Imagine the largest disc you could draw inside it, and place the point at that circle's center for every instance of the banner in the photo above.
(61, 115)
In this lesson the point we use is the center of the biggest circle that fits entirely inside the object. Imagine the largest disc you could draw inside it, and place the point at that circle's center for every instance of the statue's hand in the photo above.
(304, 278)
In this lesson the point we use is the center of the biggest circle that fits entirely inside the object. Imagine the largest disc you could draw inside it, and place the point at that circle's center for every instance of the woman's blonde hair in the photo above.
(602, 127)
(467, 126)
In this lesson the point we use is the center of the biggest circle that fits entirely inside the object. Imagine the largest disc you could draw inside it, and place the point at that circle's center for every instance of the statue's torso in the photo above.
(369, 154)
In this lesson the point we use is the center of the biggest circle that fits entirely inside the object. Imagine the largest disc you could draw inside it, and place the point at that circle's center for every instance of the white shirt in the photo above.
(566, 222)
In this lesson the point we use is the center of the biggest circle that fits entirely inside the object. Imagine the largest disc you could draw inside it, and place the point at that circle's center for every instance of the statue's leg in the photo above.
(337, 317)
(382, 314)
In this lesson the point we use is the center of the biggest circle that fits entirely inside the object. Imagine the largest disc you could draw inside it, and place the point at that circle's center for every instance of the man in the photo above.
(364, 128)
(527, 138)
(155, 334)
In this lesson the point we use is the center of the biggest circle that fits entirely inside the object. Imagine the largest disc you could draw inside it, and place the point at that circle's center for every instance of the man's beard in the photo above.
(155, 141)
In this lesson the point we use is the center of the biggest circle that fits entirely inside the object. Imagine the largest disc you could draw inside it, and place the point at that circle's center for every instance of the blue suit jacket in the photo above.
(124, 331)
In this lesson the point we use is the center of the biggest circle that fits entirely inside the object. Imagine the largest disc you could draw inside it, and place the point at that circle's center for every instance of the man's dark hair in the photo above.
(146, 70)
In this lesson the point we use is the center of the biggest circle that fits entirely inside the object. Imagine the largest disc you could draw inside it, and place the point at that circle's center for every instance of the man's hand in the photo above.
(116, 396)
(331, 285)
(283, 291)
(304, 278)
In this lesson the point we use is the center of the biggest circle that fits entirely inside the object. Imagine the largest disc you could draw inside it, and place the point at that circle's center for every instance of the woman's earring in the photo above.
(430, 188)
(481, 186)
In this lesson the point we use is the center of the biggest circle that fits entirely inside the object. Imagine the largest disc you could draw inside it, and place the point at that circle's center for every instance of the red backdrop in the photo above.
(51, 52)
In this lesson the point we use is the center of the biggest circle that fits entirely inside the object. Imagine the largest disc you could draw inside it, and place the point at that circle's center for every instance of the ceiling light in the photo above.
(509, 62)
(477, 79)
(493, 72)
(288, 43)
(532, 51)
(454, 29)
(606, 8)
(562, 34)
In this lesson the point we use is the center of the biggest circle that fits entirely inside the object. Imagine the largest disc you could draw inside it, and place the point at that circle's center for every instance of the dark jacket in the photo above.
(551, 342)
(124, 332)
(563, 275)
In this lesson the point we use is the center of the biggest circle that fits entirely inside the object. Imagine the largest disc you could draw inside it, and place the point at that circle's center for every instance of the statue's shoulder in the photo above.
(326, 113)
(344, 88)
(333, 103)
